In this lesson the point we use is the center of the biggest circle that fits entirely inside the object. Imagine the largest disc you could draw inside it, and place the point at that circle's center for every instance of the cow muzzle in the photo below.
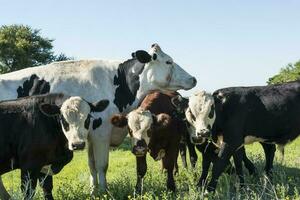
(140, 149)
(204, 133)
(78, 145)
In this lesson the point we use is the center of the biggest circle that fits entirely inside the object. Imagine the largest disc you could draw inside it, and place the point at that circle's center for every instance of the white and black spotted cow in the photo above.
(39, 131)
(123, 83)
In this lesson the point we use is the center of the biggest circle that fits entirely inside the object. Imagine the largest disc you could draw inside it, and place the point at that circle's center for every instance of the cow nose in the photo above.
(194, 81)
(78, 145)
(204, 133)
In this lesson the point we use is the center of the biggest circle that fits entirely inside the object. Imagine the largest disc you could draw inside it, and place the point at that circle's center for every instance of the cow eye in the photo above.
(192, 116)
(169, 62)
(211, 113)
(65, 124)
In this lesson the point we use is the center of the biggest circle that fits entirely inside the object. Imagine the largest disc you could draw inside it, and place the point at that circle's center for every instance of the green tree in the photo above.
(289, 73)
(21, 47)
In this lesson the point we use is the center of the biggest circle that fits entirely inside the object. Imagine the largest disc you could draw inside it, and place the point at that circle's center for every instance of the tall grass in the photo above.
(73, 182)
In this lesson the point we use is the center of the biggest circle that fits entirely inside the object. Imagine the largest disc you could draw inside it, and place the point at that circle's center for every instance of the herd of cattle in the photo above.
(46, 113)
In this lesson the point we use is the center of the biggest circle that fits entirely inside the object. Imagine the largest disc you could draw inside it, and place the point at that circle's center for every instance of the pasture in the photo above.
(73, 181)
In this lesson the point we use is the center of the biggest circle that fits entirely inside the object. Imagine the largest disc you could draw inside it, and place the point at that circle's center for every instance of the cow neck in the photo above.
(127, 81)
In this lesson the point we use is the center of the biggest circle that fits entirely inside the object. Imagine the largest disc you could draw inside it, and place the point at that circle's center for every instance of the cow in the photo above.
(208, 149)
(124, 84)
(154, 127)
(39, 131)
(265, 114)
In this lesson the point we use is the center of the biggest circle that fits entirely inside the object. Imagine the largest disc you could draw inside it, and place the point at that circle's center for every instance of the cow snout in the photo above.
(194, 81)
(204, 133)
(140, 149)
(78, 145)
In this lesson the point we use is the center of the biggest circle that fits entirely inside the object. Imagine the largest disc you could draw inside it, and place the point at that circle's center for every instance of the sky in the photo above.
(221, 43)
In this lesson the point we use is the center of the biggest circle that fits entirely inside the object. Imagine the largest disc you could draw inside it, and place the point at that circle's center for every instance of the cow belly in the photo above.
(117, 136)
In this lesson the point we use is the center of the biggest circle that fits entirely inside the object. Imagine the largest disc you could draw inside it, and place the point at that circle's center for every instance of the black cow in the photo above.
(268, 114)
(208, 149)
(33, 134)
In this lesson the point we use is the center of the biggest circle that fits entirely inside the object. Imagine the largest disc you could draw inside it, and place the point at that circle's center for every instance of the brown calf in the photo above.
(156, 128)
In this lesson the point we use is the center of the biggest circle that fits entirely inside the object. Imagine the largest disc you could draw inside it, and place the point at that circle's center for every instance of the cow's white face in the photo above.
(139, 123)
(201, 116)
(162, 73)
(75, 114)
(142, 126)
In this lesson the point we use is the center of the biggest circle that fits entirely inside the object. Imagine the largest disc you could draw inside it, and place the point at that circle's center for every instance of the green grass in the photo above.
(73, 181)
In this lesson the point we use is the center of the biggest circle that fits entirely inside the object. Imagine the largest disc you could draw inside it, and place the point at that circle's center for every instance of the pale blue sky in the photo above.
(222, 43)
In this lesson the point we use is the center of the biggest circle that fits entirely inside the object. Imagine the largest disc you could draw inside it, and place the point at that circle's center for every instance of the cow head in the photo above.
(161, 72)
(200, 115)
(143, 127)
(74, 116)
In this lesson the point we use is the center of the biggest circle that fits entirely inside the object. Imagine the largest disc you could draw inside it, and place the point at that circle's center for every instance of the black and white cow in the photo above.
(124, 84)
(208, 149)
(268, 114)
(39, 131)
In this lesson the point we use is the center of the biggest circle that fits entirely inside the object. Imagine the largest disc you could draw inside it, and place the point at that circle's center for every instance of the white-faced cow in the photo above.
(123, 84)
(154, 127)
(266, 114)
(39, 131)
(209, 149)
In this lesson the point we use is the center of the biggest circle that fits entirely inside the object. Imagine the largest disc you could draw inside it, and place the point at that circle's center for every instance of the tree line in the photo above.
(22, 46)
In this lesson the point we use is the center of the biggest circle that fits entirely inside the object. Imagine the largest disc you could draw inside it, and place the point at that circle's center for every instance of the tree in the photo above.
(21, 47)
(289, 73)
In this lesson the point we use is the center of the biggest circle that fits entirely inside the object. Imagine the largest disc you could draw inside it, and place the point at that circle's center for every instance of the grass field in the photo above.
(73, 181)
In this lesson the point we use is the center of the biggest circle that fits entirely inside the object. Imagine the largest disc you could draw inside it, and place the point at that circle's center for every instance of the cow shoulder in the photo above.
(127, 82)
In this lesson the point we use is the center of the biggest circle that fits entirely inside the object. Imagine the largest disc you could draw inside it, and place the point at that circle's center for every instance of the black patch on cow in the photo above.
(87, 122)
(33, 86)
(212, 112)
(97, 123)
(127, 80)
(65, 123)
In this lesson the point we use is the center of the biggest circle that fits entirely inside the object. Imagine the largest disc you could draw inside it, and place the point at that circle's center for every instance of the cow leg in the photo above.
(269, 150)
(141, 169)
(168, 164)
(192, 152)
(93, 171)
(220, 164)
(46, 182)
(28, 182)
(248, 164)
(3, 193)
(206, 160)
(182, 150)
(238, 162)
(101, 153)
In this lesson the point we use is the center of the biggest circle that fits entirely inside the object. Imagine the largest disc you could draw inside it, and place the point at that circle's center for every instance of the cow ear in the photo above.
(180, 103)
(119, 120)
(142, 56)
(99, 106)
(49, 110)
(162, 121)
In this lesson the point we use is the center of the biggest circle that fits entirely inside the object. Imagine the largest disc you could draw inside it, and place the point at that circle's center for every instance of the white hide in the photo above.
(199, 107)
(75, 111)
(139, 122)
(93, 80)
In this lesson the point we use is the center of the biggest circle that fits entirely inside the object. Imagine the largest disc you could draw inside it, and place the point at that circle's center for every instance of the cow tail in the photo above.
(3, 193)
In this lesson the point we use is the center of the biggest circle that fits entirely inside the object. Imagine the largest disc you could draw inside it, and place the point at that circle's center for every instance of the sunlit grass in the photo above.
(73, 181)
